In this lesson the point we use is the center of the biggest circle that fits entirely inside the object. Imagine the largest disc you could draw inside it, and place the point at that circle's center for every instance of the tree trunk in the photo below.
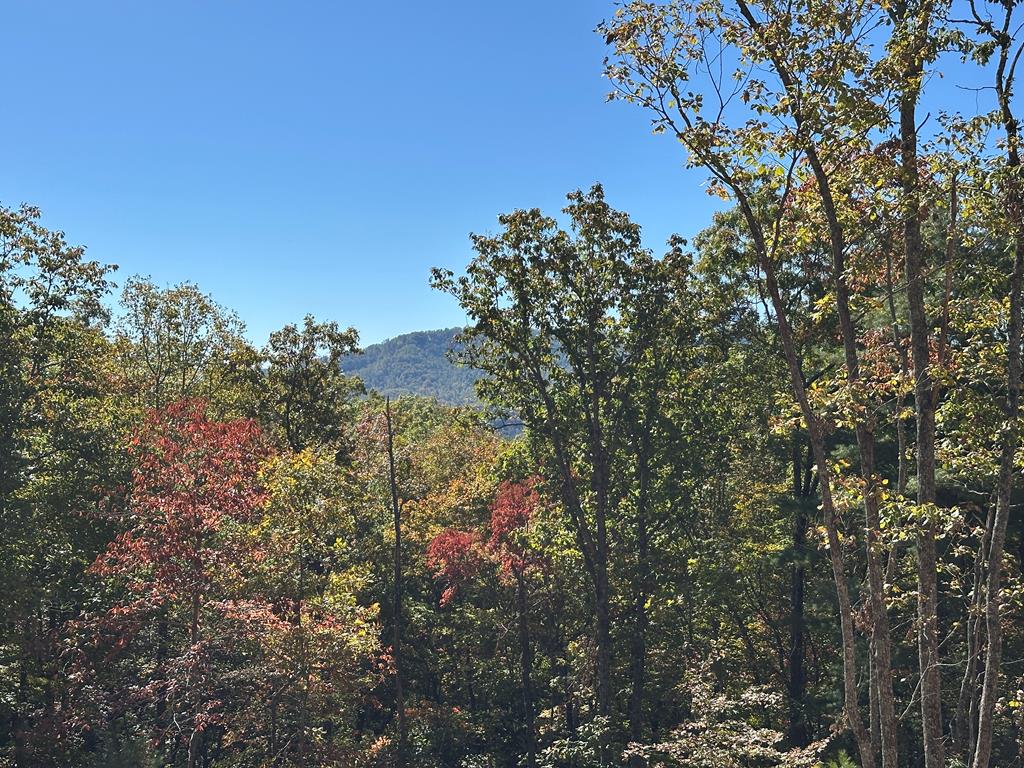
(1011, 428)
(600, 485)
(603, 641)
(400, 752)
(194, 748)
(924, 404)
(525, 669)
(965, 719)
(641, 594)
(797, 732)
(1004, 490)
(880, 637)
(814, 431)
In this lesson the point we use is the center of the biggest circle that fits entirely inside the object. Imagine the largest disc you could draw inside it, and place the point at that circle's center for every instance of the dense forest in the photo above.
(764, 509)
(415, 363)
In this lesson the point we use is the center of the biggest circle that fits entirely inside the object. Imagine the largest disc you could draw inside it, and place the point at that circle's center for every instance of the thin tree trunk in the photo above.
(19, 715)
(897, 340)
(600, 481)
(400, 753)
(881, 644)
(965, 718)
(194, 751)
(901, 479)
(1004, 491)
(642, 591)
(924, 403)
(525, 669)
(814, 430)
(1011, 428)
(603, 638)
(797, 731)
(816, 434)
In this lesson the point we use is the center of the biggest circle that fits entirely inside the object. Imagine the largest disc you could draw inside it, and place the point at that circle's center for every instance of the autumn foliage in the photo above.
(193, 477)
(457, 556)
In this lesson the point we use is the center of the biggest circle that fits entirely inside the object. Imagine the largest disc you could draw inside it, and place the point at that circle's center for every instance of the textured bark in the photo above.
(924, 405)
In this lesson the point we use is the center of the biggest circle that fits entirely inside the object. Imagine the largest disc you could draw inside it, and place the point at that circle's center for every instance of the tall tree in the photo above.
(177, 343)
(193, 478)
(396, 641)
(561, 321)
(58, 427)
(997, 44)
(309, 399)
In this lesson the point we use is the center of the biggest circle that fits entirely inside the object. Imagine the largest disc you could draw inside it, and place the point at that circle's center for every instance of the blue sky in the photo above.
(294, 157)
(320, 156)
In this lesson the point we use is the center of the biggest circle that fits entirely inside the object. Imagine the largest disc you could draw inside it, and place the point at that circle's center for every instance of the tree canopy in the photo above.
(763, 509)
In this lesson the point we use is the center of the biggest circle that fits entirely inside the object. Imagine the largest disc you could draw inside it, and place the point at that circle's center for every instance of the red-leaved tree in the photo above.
(457, 556)
(193, 481)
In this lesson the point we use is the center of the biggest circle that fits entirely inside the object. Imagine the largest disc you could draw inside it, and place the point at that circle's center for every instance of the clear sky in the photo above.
(318, 157)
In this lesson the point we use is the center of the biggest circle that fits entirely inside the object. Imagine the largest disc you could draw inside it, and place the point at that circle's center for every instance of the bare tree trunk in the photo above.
(603, 638)
(194, 744)
(965, 719)
(600, 485)
(1011, 427)
(874, 726)
(924, 404)
(897, 340)
(1004, 490)
(400, 754)
(525, 669)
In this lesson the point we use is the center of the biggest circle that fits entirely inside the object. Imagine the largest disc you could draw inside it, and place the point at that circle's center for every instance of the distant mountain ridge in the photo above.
(415, 364)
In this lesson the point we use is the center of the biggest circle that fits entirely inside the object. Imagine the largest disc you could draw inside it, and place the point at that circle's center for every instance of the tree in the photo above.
(192, 479)
(457, 556)
(997, 43)
(812, 96)
(177, 343)
(309, 399)
(396, 646)
(301, 640)
(58, 430)
(560, 325)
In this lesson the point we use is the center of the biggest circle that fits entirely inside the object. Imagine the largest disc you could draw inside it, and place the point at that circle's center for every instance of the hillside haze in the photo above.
(415, 364)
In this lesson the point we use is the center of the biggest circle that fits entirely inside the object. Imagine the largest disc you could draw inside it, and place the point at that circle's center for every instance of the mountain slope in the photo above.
(416, 364)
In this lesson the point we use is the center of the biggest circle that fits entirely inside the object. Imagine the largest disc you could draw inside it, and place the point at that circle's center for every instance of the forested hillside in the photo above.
(415, 364)
(764, 511)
